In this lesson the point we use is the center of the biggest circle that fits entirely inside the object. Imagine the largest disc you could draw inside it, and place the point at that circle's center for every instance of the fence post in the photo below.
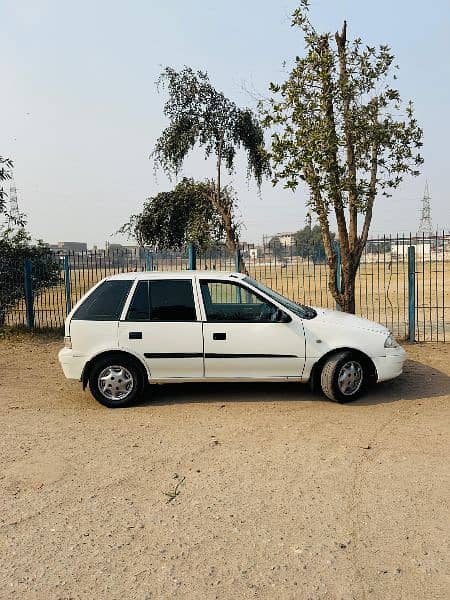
(411, 293)
(237, 260)
(67, 284)
(192, 257)
(337, 249)
(148, 261)
(28, 266)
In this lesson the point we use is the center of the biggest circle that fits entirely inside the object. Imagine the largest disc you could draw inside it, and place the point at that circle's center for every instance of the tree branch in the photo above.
(370, 199)
(333, 147)
(321, 211)
(341, 42)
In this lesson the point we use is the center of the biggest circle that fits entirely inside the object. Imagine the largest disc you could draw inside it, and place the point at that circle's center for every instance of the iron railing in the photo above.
(410, 296)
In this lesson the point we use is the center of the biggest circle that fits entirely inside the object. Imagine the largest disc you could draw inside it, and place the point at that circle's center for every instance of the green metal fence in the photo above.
(402, 282)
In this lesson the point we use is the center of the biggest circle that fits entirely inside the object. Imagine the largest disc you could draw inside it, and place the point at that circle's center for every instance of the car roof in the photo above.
(177, 275)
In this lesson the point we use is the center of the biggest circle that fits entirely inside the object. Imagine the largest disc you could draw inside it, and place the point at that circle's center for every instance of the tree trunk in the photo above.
(345, 297)
(348, 295)
(225, 211)
(349, 270)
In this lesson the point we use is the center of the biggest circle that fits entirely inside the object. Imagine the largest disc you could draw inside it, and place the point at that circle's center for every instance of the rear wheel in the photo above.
(344, 377)
(116, 381)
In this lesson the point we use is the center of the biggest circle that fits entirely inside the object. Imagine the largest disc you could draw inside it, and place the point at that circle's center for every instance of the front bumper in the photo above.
(391, 365)
(71, 364)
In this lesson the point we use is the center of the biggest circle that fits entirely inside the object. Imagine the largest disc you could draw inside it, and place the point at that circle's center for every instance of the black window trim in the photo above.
(129, 300)
(246, 287)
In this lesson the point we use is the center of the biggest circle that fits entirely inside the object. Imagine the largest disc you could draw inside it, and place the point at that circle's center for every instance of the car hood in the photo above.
(331, 318)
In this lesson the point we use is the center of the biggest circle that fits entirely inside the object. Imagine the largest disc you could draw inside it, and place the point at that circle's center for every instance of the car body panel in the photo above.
(253, 350)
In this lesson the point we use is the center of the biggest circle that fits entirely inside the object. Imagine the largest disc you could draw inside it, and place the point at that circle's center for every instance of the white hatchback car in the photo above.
(154, 327)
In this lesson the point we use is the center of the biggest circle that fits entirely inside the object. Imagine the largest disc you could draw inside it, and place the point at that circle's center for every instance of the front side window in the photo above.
(105, 303)
(163, 300)
(302, 310)
(229, 301)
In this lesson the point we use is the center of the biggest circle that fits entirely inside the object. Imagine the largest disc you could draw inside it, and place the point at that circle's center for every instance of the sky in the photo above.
(80, 111)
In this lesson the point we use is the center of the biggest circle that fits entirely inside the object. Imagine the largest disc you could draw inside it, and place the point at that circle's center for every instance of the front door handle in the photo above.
(219, 336)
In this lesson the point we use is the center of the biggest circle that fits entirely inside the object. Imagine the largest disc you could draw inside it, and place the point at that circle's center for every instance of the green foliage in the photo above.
(307, 135)
(15, 247)
(339, 125)
(276, 247)
(6, 165)
(309, 243)
(379, 247)
(199, 114)
(181, 216)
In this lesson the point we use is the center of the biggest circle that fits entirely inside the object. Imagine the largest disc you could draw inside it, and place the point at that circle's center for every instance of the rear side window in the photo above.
(163, 300)
(139, 309)
(105, 303)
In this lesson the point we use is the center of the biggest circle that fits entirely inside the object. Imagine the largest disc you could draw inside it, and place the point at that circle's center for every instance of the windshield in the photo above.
(303, 311)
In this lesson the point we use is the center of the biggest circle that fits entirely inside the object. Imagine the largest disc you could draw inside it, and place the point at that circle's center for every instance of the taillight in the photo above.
(67, 341)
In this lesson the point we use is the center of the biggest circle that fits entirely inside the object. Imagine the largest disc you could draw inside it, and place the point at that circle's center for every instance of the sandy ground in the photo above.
(285, 495)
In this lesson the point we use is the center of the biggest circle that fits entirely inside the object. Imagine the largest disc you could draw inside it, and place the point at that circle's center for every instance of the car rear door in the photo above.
(162, 324)
(241, 337)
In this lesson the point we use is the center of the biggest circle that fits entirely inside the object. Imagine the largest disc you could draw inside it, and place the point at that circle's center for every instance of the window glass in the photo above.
(302, 310)
(139, 309)
(105, 303)
(228, 301)
(172, 300)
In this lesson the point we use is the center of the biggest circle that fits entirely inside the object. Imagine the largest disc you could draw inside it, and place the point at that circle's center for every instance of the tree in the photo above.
(15, 247)
(309, 243)
(379, 246)
(6, 165)
(199, 114)
(5, 173)
(181, 216)
(338, 126)
(276, 247)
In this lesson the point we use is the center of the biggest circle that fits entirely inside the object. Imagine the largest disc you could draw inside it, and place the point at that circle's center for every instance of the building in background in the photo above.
(65, 247)
(287, 238)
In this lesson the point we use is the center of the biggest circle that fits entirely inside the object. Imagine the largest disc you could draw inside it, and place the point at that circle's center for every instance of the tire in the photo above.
(344, 377)
(116, 381)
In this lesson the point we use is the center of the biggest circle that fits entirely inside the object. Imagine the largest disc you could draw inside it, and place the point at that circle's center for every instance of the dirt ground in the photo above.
(284, 496)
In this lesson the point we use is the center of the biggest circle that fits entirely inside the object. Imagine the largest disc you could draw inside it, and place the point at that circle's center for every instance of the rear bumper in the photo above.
(72, 365)
(391, 365)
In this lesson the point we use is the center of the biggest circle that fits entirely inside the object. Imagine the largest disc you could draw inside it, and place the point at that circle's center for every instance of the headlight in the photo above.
(391, 342)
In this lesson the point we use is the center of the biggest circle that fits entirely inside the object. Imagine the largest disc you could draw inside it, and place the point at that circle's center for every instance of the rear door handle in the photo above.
(135, 335)
(219, 336)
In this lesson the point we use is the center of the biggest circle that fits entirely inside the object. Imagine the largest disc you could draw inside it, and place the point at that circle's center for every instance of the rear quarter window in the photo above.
(105, 303)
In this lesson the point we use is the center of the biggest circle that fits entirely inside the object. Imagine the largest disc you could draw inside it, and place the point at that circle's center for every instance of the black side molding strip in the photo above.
(173, 354)
(212, 355)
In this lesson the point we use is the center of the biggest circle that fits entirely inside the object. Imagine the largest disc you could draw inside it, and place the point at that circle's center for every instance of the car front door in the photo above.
(244, 337)
(162, 324)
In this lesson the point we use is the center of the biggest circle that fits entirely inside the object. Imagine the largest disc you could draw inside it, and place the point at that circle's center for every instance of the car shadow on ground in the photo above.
(417, 381)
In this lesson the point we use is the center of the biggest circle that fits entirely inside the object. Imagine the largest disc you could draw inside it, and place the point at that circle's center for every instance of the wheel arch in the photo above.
(314, 378)
(123, 353)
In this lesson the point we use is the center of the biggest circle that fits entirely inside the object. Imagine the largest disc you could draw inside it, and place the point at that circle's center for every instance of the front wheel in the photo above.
(115, 381)
(344, 377)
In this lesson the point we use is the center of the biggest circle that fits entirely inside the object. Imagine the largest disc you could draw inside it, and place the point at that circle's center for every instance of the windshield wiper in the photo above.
(310, 313)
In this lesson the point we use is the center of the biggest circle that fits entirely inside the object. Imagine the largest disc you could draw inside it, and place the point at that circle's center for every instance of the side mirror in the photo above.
(282, 317)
